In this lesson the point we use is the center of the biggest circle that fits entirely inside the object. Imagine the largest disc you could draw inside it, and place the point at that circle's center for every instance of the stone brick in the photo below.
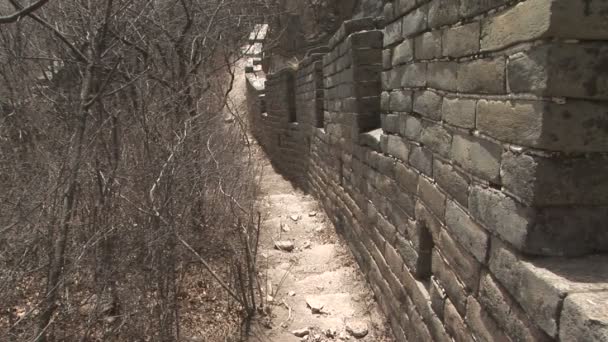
(387, 58)
(452, 181)
(461, 40)
(542, 181)
(569, 70)
(428, 221)
(404, 6)
(443, 75)
(584, 317)
(390, 123)
(531, 20)
(470, 8)
(455, 325)
(463, 263)
(418, 262)
(432, 197)
(540, 287)
(470, 235)
(507, 313)
(459, 112)
(438, 297)
(428, 45)
(385, 100)
(406, 178)
(401, 101)
(413, 75)
(501, 214)
(411, 127)
(437, 139)
(428, 104)
(480, 157)
(450, 283)
(397, 147)
(485, 76)
(443, 12)
(482, 325)
(422, 160)
(392, 33)
(403, 53)
(414, 22)
(420, 236)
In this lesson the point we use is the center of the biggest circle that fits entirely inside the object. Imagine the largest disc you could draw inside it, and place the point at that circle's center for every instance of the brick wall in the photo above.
(464, 157)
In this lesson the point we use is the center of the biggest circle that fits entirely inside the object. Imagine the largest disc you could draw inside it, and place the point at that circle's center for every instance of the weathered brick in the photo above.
(437, 139)
(461, 40)
(534, 178)
(531, 20)
(455, 324)
(418, 262)
(390, 123)
(401, 101)
(413, 75)
(584, 317)
(428, 45)
(482, 325)
(427, 221)
(420, 236)
(404, 6)
(392, 33)
(463, 263)
(403, 53)
(387, 58)
(470, 235)
(438, 297)
(443, 12)
(485, 76)
(397, 147)
(473, 7)
(479, 156)
(411, 127)
(428, 104)
(459, 112)
(449, 282)
(452, 181)
(422, 160)
(414, 22)
(501, 214)
(569, 70)
(432, 197)
(385, 98)
(442, 75)
(507, 313)
(406, 178)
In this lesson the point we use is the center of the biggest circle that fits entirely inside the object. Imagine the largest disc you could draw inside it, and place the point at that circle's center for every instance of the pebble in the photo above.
(286, 246)
(357, 329)
(301, 332)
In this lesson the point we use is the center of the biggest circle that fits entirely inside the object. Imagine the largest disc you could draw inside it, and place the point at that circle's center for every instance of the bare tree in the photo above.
(117, 168)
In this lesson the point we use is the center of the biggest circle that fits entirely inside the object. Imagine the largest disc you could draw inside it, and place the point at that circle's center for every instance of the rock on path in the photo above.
(315, 279)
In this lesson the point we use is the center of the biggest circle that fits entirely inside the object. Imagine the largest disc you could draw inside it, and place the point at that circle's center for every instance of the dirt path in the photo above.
(319, 271)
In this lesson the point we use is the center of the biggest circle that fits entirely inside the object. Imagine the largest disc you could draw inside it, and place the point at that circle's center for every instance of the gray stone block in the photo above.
(411, 127)
(482, 324)
(461, 40)
(428, 45)
(432, 197)
(455, 183)
(463, 263)
(397, 147)
(437, 139)
(507, 313)
(392, 33)
(422, 160)
(414, 22)
(459, 112)
(401, 101)
(428, 104)
(444, 12)
(455, 325)
(569, 70)
(584, 317)
(486, 76)
(468, 233)
(413, 75)
(443, 75)
(403, 53)
(406, 178)
(480, 157)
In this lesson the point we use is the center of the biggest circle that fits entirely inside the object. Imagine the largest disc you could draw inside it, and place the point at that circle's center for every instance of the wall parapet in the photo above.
(461, 149)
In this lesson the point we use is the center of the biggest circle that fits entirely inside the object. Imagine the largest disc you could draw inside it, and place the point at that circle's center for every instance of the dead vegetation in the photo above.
(126, 202)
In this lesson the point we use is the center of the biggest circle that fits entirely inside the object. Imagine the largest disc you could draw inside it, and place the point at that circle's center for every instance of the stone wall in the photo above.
(463, 154)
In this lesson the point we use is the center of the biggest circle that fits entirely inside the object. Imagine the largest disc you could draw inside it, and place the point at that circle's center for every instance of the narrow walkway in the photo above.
(317, 288)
